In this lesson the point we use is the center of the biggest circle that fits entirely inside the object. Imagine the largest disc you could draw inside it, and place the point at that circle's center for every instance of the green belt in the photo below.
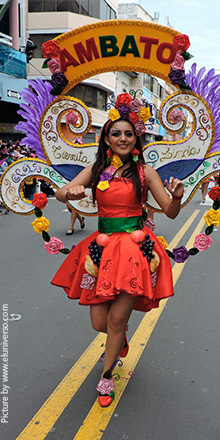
(120, 224)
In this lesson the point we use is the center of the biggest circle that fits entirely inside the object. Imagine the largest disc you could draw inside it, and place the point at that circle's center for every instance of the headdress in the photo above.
(132, 110)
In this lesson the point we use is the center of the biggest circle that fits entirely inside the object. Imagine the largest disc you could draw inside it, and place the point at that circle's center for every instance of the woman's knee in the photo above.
(117, 323)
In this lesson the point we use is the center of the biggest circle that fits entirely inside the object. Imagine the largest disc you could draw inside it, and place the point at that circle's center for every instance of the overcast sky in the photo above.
(199, 19)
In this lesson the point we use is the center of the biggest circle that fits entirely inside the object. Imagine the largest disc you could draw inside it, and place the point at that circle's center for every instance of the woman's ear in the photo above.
(107, 141)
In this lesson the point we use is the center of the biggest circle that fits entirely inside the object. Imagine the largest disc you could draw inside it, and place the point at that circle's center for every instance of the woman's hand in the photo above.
(76, 193)
(175, 187)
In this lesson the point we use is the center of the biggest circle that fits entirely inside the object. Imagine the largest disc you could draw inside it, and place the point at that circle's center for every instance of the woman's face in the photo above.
(121, 138)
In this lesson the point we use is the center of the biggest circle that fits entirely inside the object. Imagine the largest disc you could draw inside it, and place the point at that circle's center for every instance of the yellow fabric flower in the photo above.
(114, 114)
(116, 161)
(144, 114)
(212, 217)
(41, 224)
(103, 185)
(162, 241)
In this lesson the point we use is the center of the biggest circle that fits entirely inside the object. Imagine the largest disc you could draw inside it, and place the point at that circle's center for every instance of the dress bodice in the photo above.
(119, 200)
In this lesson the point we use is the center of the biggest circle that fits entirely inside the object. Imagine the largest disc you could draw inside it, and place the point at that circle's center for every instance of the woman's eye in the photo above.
(128, 133)
(116, 133)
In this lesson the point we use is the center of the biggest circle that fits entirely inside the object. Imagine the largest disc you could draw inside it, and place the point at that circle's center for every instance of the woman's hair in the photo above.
(101, 160)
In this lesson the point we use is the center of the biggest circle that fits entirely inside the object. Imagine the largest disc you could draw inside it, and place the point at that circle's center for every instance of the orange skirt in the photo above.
(123, 268)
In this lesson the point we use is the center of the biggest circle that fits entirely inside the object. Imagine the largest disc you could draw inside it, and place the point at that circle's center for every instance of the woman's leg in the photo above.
(98, 315)
(204, 190)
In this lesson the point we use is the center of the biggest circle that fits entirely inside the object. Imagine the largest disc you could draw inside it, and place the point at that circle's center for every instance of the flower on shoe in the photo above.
(144, 114)
(41, 224)
(114, 114)
(176, 116)
(50, 49)
(135, 105)
(71, 117)
(105, 386)
(140, 128)
(203, 242)
(53, 246)
(214, 193)
(178, 62)
(177, 76)
(162, 241)
(59, 80)
(123, 99)
(54, 65)
(40, 200)
(181, 42)
(180, 254)
(212, 217)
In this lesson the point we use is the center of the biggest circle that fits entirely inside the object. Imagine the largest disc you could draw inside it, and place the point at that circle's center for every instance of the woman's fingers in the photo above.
(77, 192)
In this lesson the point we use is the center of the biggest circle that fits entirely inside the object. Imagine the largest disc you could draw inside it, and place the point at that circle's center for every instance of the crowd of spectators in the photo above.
(10, 152)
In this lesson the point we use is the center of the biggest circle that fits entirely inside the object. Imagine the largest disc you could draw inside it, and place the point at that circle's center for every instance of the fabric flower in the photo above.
(139, 128)
(53, 246)
(133, 117)
(114, 114)
(135, 105)
(178, 62)
(124, 111)
(41, 224)
(203, 242)
(181, 42)
(88, 282)
(59, 80)
(106, 176)
(71, 117)
(123, 99)
(212, 217)
(116, 161)
(144, 114)
(150, 224)
(50, 49)
(176, 116)
(40, 200)
(214, 193)
(162, 241)
(105, 386)
(54, 65)
(177, 76)
(103, 185)
(180, 254)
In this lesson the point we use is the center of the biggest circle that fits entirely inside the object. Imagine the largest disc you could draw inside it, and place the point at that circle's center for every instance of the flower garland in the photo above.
(59, 81)
(177, 72)
(108, 173)
(131, 109)
(41, 225)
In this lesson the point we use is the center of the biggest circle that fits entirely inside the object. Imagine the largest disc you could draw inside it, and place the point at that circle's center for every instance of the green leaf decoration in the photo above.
(44, 65)
(129, 230)
(112, 394)
(135, 158)
(216, 204)
(56, 91)
(108, 160)
(193, 251)
(38, 212)
(187, 56)
(185, 87)
(209, 229)
(140, 224)
(65, 251)
(45, 236)
(169, 253)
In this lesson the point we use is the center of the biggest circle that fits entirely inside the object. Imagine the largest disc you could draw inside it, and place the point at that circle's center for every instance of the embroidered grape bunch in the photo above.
(147, 248)
(95, 252)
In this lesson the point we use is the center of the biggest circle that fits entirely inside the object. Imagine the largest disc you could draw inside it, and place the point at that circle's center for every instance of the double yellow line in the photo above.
(98, 418)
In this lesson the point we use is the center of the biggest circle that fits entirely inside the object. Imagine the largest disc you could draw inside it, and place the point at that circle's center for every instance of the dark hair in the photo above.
(101, 160)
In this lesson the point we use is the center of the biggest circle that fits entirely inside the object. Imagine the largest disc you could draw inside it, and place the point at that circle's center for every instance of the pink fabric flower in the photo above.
(53, 246)
(71, 117)
(88, 281)
(203, 242)
(178, 62)
(54, 65)
(139, 128)
(135, 105)
(150, 224)
(105, 386)
(176, 116)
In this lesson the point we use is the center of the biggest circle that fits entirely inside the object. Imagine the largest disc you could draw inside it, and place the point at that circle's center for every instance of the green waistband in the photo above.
(120, 224)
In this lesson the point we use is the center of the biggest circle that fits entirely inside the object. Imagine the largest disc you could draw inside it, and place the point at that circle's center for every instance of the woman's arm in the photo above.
(75, 189)
(171, 207)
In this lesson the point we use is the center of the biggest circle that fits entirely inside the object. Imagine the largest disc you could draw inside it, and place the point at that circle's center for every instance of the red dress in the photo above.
(123, 267)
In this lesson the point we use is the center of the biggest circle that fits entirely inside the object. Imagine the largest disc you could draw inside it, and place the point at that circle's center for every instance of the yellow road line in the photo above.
(45, 418)
(98, 418)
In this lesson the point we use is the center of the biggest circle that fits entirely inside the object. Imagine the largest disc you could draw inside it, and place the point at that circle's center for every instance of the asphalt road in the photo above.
(53, 351)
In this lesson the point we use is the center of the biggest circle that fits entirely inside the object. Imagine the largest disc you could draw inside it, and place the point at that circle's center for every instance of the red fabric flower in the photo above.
(133, 117)
(40, 200)
(214, 193)
(181, 42)
(135, 152)
(50, 49)
(123, 99)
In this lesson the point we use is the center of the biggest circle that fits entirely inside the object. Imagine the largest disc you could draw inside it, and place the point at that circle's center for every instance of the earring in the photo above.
(135, 153)
(109, 155)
